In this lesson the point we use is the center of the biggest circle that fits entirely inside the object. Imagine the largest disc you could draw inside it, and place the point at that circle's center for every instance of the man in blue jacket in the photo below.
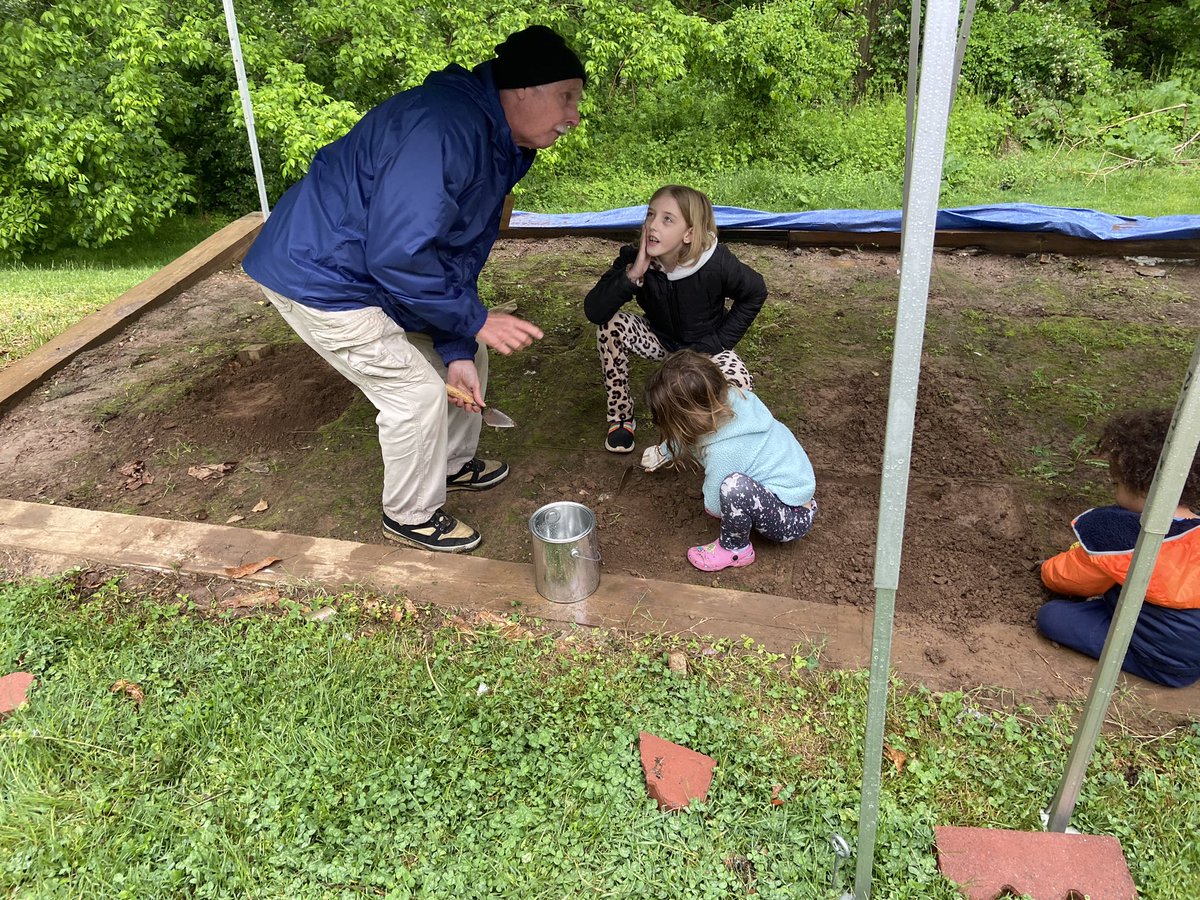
(374, 256)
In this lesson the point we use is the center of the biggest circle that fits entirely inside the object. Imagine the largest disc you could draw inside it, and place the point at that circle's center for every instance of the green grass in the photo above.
(273, 756)
(1049, 178)
(46, 294)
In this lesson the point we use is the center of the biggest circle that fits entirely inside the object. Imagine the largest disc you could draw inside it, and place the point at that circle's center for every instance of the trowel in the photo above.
(491, 415)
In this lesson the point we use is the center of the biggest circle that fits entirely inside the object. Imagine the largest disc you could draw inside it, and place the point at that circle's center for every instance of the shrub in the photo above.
(1014, 55)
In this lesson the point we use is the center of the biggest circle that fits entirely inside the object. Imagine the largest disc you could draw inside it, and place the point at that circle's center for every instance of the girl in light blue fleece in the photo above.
(756, 474)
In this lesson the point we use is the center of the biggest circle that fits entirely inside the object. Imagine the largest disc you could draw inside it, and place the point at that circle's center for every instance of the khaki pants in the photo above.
(423, 439)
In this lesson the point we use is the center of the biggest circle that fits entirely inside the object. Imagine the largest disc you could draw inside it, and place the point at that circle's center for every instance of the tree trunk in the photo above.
(866, 62)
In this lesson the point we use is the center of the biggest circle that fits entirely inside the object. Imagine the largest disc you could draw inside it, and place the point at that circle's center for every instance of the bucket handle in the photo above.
(575, 553)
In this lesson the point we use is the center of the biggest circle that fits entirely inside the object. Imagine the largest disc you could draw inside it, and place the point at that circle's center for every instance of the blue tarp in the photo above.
(1081, 223)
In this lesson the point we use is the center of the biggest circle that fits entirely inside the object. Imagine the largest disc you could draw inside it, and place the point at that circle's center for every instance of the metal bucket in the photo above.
(566, 554)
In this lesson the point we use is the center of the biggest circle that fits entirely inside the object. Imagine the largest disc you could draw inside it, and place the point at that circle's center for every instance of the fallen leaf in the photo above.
(461, 624)
(252, 601)
(260, 506)
(135, 475)
(133, 691)
(211, 470)
(251, 568)
(776, 800)
(235, 518)
(897, 757)
(487, 617)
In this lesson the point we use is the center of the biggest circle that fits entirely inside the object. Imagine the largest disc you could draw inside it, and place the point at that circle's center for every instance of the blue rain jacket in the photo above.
(401, 212)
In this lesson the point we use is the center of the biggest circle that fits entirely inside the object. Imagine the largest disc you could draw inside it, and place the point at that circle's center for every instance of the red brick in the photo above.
(987, 863)
(675, 775)
(14, 690)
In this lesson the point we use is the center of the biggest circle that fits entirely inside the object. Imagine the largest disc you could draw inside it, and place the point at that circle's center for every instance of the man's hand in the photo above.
(505, 333)
(463, 375)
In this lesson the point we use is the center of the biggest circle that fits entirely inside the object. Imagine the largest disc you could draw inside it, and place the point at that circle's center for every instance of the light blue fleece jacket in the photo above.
(754, 443)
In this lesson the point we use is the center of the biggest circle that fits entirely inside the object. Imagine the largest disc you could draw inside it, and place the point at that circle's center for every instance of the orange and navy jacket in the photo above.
(1100, 559)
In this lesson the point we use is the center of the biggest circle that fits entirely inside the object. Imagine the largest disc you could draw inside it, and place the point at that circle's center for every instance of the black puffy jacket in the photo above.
(690, 311)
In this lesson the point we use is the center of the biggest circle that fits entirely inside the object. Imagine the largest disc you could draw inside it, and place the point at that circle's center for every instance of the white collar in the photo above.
(691, 268)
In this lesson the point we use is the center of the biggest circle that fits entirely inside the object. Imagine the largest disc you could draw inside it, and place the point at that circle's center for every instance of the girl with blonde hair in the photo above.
(683, 278)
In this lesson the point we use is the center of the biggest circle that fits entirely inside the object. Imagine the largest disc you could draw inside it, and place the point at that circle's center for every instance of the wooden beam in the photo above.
(1018, 243)
(452, 581)
(37, 539)
(212, 254)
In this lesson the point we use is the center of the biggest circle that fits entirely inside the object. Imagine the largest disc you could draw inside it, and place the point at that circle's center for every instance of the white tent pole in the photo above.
(914, 43)
(910, 106)
(1183, 438)
(916, 260)
(235, 47)
(964, 31)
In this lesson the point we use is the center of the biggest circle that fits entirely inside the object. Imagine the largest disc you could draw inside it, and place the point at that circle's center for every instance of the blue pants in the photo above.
(746, 505)
(1165, 647)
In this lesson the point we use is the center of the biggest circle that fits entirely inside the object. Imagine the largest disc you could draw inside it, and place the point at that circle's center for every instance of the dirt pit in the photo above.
(209, 409)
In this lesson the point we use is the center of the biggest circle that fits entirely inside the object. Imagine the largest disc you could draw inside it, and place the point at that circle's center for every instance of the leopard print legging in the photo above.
(627, 333)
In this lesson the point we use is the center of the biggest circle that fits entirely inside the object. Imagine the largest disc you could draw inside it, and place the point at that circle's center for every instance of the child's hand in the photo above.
(653, 458)
(637, 271)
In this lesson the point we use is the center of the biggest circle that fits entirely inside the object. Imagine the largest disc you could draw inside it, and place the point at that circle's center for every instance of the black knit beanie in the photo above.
(535, 56)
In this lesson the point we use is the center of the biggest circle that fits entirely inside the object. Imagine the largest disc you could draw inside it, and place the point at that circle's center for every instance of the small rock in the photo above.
(254, 353)
(677, 662)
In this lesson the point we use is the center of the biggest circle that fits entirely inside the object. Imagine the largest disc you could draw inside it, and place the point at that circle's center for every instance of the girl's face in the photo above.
(665, 229)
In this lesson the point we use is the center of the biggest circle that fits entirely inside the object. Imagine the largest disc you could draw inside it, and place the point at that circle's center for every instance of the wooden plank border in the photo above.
(1018, 243)
(212, 254)
(39, 539)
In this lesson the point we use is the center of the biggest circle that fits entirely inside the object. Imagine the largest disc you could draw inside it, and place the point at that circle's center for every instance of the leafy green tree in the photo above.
(83, 154)
(1018, 52)
(792, 50)
(114, 114)
(1155, 38)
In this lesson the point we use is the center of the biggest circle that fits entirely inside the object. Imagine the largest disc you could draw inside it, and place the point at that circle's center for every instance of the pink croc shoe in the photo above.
(713, 557)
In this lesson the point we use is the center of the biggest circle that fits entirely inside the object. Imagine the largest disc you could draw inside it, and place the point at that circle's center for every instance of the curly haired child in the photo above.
(1165, 647)
(756, 474)
(682, 278)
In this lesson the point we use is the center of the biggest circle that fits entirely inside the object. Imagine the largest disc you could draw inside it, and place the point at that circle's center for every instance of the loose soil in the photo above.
(1023, 359)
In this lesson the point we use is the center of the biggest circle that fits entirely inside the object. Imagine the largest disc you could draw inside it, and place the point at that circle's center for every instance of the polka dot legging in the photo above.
(627, 333)
(746, 505)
